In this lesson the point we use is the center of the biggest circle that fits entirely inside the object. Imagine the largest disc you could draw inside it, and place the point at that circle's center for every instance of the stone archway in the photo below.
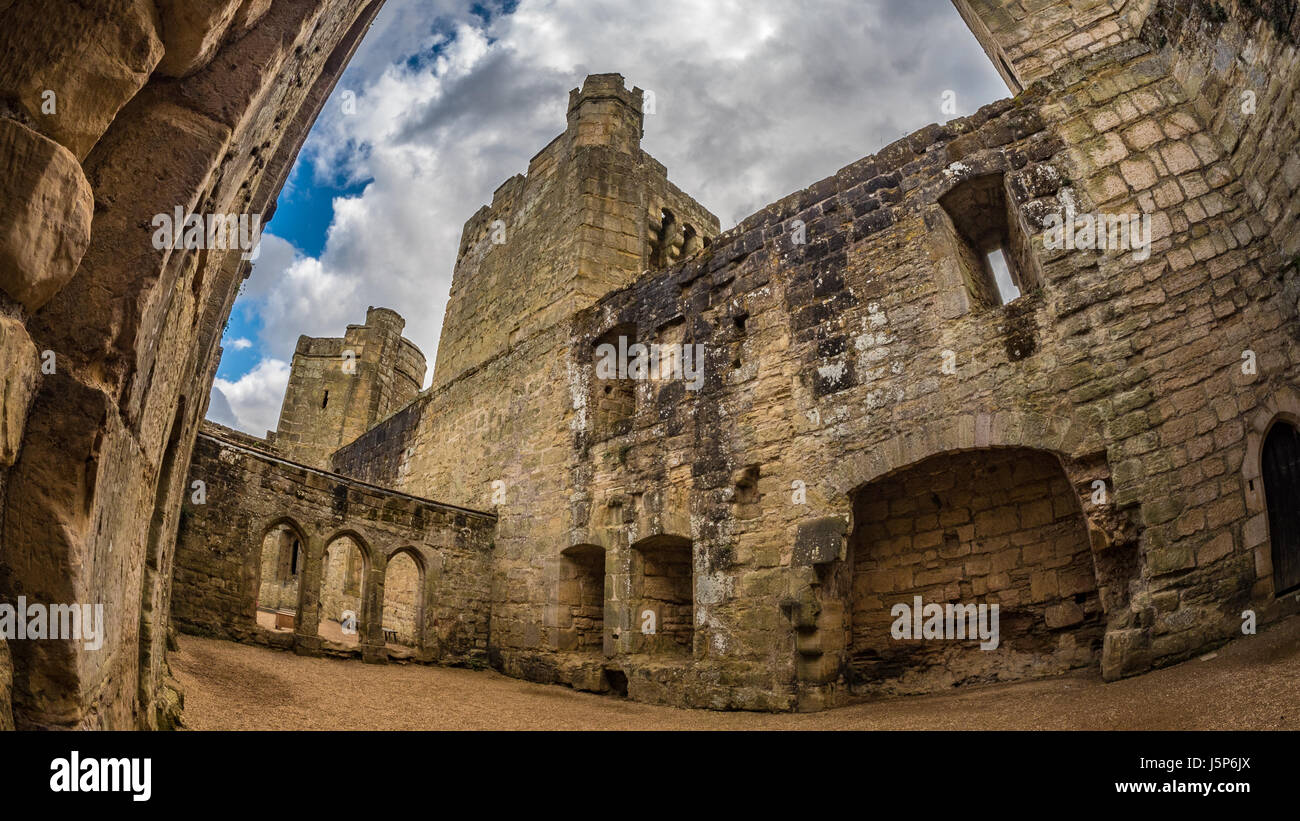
(821, 597)
(234, 91)
(954, 535)
(343, 615)
(404, 599)
(1281, 407)
(281, 560)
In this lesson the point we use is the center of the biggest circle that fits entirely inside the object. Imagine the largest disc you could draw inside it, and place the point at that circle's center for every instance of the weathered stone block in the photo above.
(192, 30)
(46, 208)
(820, 541)
(18, 375)
(71, 72)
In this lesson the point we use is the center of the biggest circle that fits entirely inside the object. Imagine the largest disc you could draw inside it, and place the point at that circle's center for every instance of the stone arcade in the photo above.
(1093, 456)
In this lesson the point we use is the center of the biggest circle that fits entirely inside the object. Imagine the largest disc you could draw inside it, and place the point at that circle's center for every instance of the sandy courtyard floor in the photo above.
(1252, 683)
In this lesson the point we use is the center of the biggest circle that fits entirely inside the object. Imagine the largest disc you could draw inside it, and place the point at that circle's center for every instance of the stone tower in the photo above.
(341, 387)
(593, 212)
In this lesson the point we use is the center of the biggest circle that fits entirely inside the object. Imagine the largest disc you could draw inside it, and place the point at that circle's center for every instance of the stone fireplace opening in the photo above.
(663, 596)
(999, 526)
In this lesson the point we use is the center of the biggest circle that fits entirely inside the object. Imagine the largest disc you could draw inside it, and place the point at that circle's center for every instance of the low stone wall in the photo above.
(247, 493)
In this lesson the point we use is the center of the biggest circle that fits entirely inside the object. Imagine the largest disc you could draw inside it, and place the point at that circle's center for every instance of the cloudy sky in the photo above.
(754, 99)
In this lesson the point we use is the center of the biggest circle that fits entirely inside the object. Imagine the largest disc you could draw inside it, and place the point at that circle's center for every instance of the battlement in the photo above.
(339, 387)
(591, 214)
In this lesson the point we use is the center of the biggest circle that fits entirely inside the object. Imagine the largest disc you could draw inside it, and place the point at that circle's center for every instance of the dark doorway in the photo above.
(1281, 469)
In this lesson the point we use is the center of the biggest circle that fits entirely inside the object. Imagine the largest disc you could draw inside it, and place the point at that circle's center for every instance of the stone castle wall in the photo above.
(872, 347)
(341, 387)
(827, 370)
(250, 493)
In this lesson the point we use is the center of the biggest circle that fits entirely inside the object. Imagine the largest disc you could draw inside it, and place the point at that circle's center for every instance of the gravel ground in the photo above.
(1252, 683)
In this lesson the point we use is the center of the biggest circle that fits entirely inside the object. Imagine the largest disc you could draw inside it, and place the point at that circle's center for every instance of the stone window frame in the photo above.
(981, 235)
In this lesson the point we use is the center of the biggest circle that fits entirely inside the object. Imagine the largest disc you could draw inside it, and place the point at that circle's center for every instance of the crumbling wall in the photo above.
(844, 340)
(128, 333)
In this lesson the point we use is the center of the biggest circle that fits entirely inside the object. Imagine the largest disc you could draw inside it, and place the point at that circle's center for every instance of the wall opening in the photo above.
(991, 246)
(1280, 467)
(663, 596)
(341, 620)
(278, 577)
(581, 623)
(613, 400)
(403, 600)
(665, 240)
(995, 526)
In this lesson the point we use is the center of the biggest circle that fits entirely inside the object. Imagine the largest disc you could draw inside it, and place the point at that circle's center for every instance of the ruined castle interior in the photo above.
(905, 394)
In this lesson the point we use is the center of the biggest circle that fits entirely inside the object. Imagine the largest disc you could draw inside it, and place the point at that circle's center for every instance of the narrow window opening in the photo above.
(991, 248)
(326, 400)
(1010, 75)
(997, 262)
(614, 391)
(666, 240)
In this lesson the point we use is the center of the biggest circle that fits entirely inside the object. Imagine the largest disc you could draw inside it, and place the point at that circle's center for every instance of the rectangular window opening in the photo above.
(1001, 271)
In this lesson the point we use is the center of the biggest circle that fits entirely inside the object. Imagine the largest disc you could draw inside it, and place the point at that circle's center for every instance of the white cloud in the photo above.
(754, 99)
(241, 344)
(254, 399)
(219, 409)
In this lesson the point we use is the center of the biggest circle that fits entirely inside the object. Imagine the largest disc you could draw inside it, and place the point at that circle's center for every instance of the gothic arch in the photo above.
(390, 611)
(366, 596)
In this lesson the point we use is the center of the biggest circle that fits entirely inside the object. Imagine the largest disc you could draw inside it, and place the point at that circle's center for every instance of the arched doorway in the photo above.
(936, 544)
(403, 617)
(279, 573)
(342, 590)
(1280, 466)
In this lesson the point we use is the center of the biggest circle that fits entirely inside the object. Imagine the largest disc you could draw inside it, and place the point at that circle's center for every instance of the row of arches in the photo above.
(341, 589)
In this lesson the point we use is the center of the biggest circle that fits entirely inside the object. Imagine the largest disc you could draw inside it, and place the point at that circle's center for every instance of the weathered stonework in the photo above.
(877, 356)
(92, 501)
(249, 491)
(340, 388)
(868, 360)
